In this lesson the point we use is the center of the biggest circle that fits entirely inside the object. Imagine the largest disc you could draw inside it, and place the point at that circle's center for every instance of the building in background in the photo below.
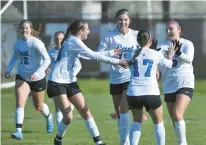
(55, 15)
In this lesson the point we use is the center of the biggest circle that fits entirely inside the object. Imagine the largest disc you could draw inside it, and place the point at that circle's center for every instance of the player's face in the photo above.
(58, 39)
(85, 31)
(26, 30)
(123, 22)
(173, 31)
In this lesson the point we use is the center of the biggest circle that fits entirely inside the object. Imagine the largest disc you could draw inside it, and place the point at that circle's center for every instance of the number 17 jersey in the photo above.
(143, 79)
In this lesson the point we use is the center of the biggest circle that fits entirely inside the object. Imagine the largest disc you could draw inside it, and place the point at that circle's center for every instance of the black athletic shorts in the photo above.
(171, 97)
(35, 86)
(56, 89)
(116, 89)
(147, 101)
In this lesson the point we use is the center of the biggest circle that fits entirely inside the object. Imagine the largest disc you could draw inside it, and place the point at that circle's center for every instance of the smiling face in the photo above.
(173, 30)
(123, 22)
(25, 30)
(84, 32)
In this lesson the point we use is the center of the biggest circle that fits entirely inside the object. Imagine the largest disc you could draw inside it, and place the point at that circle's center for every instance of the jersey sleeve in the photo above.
(13, 60)
(45, 56)
(164, 61)
(104, 44)
(83, 50)
(187, 53)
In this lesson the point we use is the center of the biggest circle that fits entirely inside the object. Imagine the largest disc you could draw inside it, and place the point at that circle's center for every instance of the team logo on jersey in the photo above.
(125, 49)
(23, 53)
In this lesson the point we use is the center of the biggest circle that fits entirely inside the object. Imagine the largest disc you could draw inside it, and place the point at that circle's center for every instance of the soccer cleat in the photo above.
(49, 123)
(17, 135)
(57, 142)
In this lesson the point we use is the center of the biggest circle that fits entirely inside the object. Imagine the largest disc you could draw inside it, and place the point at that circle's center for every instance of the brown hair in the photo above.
(74, 28)
(33, 32)
(122, 11)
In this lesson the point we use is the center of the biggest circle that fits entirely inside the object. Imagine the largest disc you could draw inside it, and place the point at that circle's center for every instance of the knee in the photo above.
(67, 118)
(85, 113)
(177, 116)
(38, 106)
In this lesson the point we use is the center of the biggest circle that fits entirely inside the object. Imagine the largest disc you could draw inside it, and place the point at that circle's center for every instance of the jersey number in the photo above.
(147, 62)
(174, 62)
(24, 60)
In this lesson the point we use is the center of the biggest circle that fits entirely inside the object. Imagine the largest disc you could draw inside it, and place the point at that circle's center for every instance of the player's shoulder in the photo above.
(51, 50)
(164, 46)
(134, 32)
(186, 41)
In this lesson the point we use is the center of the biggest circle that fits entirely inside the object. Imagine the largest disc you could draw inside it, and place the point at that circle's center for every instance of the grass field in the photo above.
(99, 101)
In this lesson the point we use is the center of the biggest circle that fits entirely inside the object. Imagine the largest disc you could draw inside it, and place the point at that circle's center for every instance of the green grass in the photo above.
(99, 101)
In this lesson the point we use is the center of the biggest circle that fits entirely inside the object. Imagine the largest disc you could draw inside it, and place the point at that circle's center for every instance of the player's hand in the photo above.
(7, 74)
(154, 45)
(178, 46)
(117, 51)
(171, 51)
(33, 77)
(123, 63)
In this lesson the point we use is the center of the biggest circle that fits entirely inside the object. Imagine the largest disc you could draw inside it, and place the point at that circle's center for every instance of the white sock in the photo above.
(62, 129)
(159, 131)
(72, 107)
(92, 128)
(181, 132)
(45, 111)
(135, 133)
(19, 118)
(59, 117)
(124, 126)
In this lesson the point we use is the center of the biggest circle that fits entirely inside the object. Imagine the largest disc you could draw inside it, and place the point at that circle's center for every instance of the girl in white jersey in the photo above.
(178, 82)
(58, 37)
(124, 39)
(143, 88)
(62, 84)
(33, 59)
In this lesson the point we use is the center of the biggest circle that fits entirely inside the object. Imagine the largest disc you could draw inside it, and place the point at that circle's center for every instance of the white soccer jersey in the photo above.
(128, 44)
(32, 57)
(181, 74)
(53, 53)
(143, 73)
(63, 71)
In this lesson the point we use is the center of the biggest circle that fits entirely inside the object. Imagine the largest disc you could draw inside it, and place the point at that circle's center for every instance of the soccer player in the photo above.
(123, 38)
(62, 84)
(143, 88)
(32, 58)
(178, 82)
(58, 37)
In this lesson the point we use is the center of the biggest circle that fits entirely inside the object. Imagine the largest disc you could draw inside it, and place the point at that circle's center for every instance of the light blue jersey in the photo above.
(64, 69)
(32, 58)
(128, 44)
(53, 53)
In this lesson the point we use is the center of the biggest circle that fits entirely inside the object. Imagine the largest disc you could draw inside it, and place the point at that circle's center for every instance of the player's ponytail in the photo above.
(66, 35)
(74, 28)
(143, 38)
